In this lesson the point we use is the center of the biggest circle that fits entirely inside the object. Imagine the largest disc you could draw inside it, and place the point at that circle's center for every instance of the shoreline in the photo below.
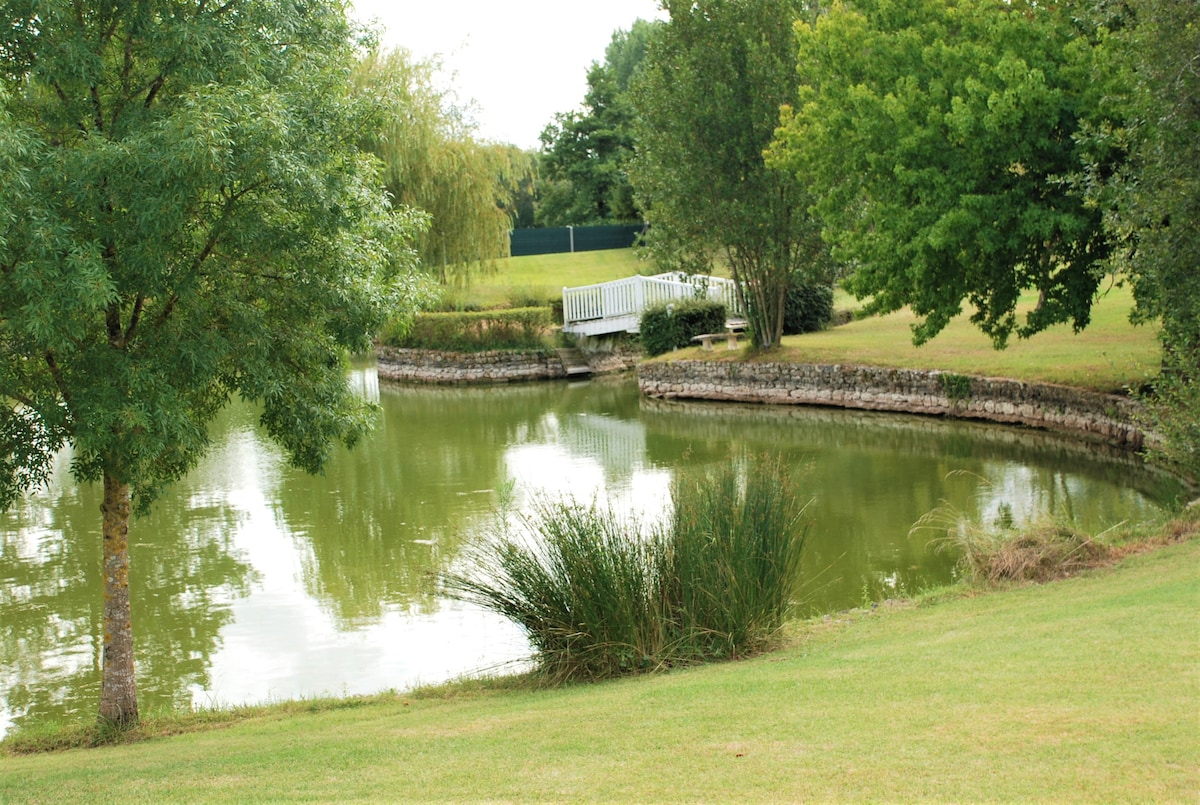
(1105, 418)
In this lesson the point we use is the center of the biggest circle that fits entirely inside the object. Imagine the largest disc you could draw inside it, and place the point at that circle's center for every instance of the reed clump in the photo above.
(1045, 549)
(601, 596)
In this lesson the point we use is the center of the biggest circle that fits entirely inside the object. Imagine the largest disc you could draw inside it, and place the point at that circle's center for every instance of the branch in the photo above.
(56, 376)
(155, 86)
(133, 319)
(97, 108)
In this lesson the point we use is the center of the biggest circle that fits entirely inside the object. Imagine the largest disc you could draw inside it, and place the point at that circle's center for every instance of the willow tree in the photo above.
(707, 105)
(184, 217)
(435, 162)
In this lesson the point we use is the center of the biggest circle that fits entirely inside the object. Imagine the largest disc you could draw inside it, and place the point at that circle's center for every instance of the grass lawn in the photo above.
(545, 275)
(1110, 354)
(1081, 690)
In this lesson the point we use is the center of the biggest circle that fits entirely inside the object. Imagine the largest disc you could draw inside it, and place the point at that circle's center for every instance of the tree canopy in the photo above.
(435, 162)
(585, 154)
(707, 106)
(939, 139)
(185, 215)
(1155, 202)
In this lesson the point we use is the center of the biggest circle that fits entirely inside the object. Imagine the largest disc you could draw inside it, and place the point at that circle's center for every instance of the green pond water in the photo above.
(253, 582)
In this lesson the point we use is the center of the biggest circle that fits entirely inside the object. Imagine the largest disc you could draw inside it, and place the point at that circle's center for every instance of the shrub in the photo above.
(528, 296)
(520, 328)
(599, 597)
(669, 326)
(808, 307)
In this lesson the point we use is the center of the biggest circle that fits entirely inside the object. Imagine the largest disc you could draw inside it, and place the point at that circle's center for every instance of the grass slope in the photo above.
(1081, 690)
(545, 275)
(1109, 355)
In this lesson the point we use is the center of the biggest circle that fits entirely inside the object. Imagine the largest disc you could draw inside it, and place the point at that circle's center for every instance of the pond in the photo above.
(253, 582)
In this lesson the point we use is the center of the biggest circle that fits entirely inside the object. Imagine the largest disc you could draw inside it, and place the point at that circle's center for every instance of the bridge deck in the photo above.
(617, 306)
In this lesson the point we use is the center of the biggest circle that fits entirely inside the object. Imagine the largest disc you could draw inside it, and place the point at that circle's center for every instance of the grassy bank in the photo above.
(1081, 690)
(544, 276)
(1109, 355)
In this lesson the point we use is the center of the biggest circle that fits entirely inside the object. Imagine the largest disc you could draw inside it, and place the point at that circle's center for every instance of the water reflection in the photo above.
(254, 581)
(185, 573)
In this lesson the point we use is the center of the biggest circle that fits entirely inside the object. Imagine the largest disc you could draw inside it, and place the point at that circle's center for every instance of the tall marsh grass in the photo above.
(601, 596)
(1045, 548)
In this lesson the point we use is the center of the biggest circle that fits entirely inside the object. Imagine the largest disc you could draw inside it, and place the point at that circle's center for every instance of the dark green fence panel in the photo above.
(540, 241)
(553, 240)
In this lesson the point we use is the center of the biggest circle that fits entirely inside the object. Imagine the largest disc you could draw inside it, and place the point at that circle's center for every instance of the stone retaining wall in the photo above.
(1101, 417)
(497, 366)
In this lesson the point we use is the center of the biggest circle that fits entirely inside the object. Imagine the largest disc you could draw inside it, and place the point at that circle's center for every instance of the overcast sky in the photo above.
(521, 61)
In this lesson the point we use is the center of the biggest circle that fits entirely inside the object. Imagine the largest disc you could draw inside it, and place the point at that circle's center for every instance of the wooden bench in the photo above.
(706, 341)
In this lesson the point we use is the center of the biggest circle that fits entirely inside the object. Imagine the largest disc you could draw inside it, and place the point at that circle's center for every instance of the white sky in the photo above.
(520, 61)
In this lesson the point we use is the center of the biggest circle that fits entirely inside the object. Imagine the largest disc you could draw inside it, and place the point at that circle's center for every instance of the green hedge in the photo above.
(476, 331)
(670, 326)
(809, 307)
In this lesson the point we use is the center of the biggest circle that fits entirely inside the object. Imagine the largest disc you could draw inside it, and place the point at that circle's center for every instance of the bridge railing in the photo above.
(629, 297)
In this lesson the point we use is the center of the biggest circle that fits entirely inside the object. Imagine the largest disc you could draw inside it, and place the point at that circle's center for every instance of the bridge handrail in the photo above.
(632, 295)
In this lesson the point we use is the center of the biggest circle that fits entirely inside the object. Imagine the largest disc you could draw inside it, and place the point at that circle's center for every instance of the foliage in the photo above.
(956, 387)
(434, 162)
(582, 165)
(808, 307)
(184, 216)
(707, 106)
(475, 331)
(584, 593)
(732, 564)
(1046, 549)
(1157, 205)
(938, 139)
(600, 598)
(669, 326)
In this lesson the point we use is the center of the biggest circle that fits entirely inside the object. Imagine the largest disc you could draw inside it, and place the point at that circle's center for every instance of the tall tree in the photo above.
(1157, 211)
(585, 153)
(434, 162)
(939, 137)
(707, 107)
(184, 216)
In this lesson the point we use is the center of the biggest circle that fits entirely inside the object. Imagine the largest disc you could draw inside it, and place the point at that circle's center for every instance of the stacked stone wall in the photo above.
(495, 366)
(1106, 418)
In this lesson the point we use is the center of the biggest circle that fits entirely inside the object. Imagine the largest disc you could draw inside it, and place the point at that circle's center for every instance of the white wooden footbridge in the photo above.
(616, 307)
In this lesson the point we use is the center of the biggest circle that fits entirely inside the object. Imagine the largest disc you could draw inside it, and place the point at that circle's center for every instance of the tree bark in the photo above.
(118, 687)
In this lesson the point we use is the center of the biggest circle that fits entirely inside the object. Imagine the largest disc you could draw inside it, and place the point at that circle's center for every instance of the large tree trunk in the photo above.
(118, 688)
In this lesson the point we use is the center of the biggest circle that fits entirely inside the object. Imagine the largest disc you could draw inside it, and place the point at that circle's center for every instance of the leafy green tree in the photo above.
(707, 106)
(1157, 209)
(435, 163)
(184, 216)
(938, 138)
(584, 157)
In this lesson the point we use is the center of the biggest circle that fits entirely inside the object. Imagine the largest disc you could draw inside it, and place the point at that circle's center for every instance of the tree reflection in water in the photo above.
(253, 581)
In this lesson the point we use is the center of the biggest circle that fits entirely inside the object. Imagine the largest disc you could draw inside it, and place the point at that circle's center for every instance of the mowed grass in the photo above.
(1110, 354)
(1084, 690)
(547, 274)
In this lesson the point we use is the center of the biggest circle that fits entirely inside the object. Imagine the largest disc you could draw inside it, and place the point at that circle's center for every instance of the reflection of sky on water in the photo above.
(334, 600)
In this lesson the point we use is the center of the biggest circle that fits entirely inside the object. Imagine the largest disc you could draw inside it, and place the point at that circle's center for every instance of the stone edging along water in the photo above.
(496, 366)
(1099, 417)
